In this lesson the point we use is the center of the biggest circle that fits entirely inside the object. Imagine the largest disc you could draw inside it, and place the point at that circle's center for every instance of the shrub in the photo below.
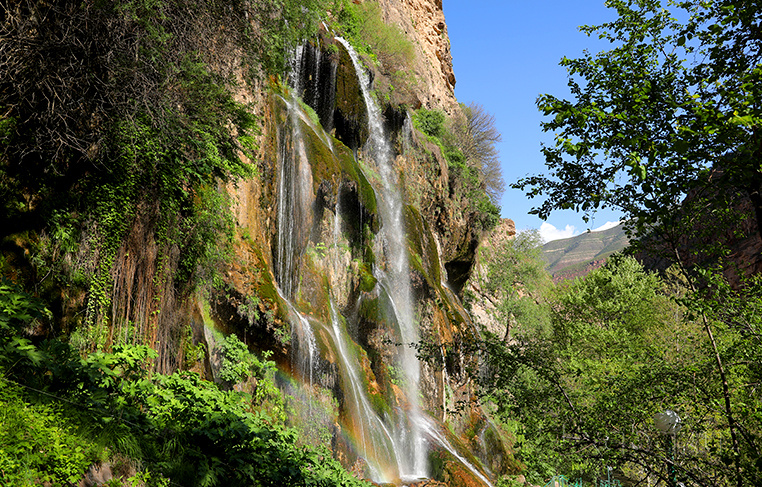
(37, 443)
(365, 28)
(430, 122)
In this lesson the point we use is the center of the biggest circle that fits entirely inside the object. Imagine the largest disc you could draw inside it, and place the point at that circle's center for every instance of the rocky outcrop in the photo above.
(730, 235)
(316, 235)
(424, 23)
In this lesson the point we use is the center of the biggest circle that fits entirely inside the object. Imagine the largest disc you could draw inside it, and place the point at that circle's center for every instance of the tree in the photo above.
(476, 136)
(670, 109)
(619, 350)
(511, 276)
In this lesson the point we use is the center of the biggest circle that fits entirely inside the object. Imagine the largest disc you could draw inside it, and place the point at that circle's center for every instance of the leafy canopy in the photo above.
(651, 117)
(619, 350)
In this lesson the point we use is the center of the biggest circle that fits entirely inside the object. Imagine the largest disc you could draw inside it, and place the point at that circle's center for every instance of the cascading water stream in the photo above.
(294, 175)
(294, 200)
(376, 440)
(393, 443)
(408, 432)
(431, 430)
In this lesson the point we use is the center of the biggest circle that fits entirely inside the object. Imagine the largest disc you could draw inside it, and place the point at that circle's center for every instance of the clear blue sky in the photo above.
(506, 53)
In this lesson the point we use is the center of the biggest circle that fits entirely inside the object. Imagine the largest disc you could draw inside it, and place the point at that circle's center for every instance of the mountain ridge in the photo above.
(576, 256)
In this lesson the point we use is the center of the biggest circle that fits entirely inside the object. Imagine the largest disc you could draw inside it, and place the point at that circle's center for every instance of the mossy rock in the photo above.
(350, 115)
(369, 309)
(324, 164)
(367, 279)
(421, 243)
(352, 171)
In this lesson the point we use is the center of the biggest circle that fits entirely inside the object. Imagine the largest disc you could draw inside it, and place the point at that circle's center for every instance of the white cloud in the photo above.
(548, 232)
(606, 226)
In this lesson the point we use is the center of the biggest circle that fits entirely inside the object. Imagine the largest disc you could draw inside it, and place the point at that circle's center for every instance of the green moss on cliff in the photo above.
(421, 242)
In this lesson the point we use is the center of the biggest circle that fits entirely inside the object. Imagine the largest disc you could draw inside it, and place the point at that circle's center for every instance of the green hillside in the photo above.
(575, 256)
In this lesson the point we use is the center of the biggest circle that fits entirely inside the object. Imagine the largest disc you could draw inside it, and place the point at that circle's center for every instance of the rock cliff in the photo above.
(424, 23)
(483, 306)
(314, 258)
(352, 235)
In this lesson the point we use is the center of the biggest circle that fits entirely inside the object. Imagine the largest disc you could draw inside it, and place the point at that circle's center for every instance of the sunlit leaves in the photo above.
(651, 114)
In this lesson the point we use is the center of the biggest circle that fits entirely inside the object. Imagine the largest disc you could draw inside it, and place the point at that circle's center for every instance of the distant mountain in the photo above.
(576, 256)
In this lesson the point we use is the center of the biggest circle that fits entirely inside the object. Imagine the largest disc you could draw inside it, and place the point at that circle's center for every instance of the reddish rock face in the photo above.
(735, 230)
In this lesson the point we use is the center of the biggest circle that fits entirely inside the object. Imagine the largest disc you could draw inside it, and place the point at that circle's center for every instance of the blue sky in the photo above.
(505, 54)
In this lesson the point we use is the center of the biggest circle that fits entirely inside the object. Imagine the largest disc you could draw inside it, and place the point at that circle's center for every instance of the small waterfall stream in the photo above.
(294, 202)
(376, 440)
(294, 198)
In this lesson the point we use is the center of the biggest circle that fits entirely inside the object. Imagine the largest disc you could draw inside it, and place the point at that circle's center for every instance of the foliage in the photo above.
(363, 26)
(18, 310)
(668, 110)
(622, 348)
(125, 171)
(278, 28)
(37, 444)
(237, 363)
(17, 307)
(186, 429)
(513, 280)
(430, 122)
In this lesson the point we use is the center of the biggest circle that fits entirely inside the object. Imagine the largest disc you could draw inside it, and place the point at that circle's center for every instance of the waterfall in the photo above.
(294, 203)
(377, 444)
(294, 198)
(390, 440)
(396, 280)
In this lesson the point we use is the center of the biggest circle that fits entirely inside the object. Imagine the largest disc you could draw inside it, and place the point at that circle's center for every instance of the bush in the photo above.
(176, 426)
(37, 443)
(364, 28)
(430, 122)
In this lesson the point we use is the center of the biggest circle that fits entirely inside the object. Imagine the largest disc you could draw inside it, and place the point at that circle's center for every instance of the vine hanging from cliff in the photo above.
(117, 126)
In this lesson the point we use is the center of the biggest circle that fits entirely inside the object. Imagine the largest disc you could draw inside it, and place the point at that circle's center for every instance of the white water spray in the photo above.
(294, 200)
(431, 430)
(376, 439)
(391, 206)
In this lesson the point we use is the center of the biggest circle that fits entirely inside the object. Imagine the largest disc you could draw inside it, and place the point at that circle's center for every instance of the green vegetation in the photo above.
(118, 132)
(513, 281)
(362, 25)
(119, 127)
(467, 143)
(120, 176)
(383, 45)
(68, 412)
(668, 111)
(581, 387)
(37, 443)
